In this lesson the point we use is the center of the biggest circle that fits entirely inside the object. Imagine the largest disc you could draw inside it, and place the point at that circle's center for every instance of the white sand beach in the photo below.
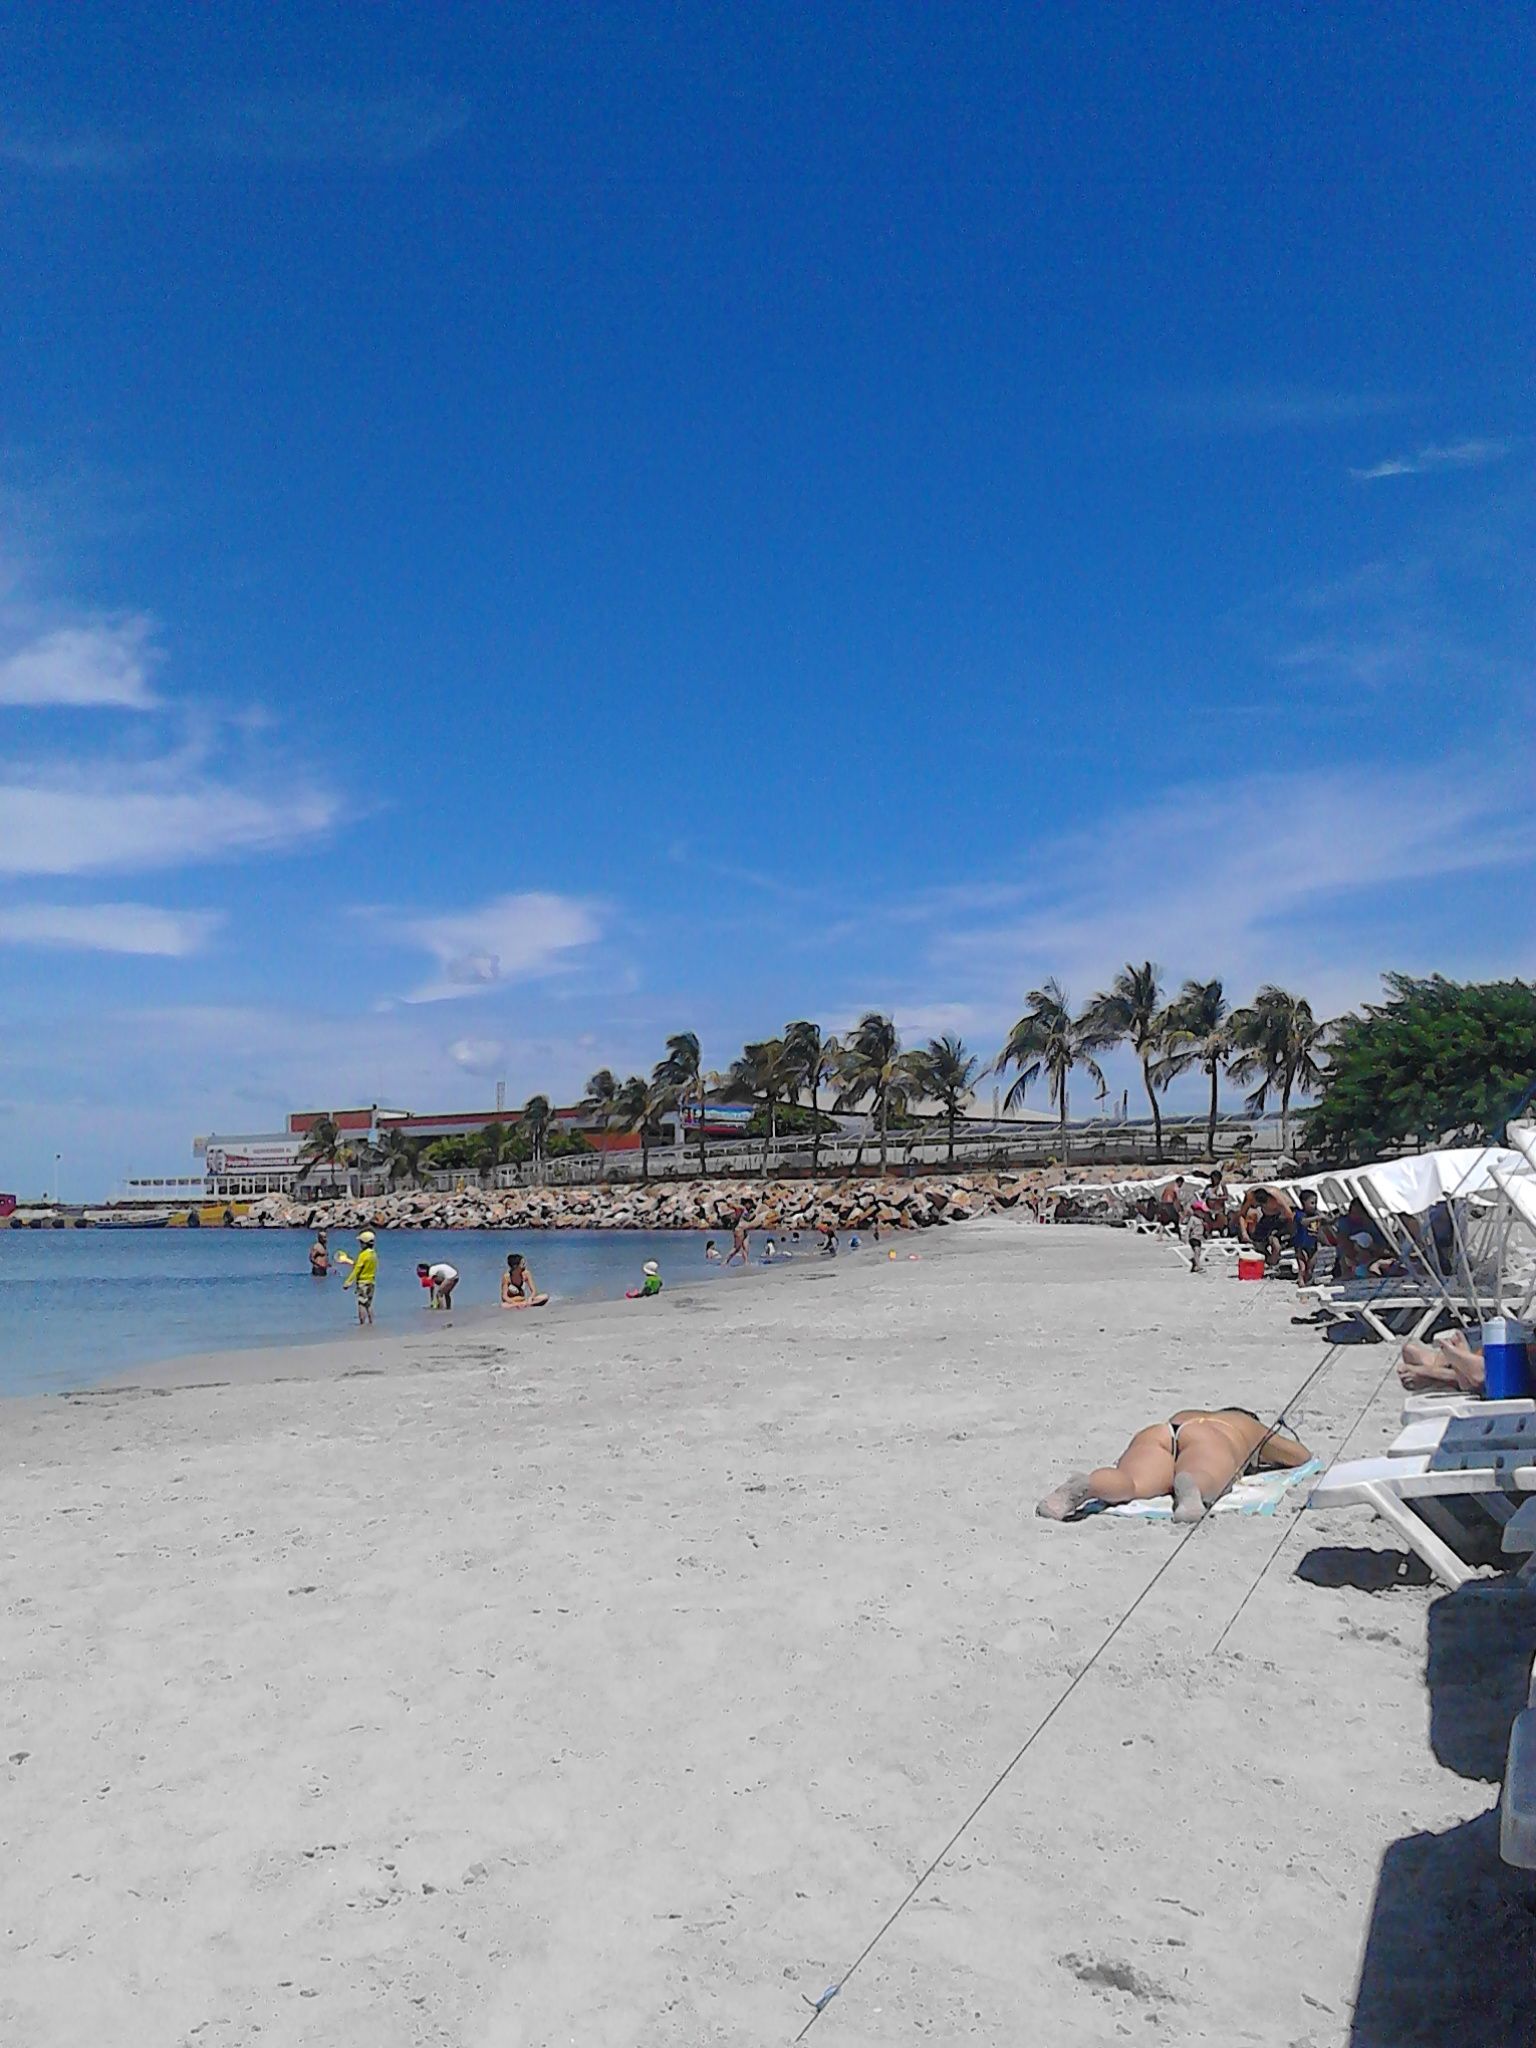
(606, 1677)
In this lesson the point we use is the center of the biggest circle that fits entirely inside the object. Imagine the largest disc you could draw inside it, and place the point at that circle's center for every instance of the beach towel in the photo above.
(1259, 1494)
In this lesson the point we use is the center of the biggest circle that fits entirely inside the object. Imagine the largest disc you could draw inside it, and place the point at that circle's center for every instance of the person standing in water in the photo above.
(363, 1275)
(741, 1241)
(319, 1257)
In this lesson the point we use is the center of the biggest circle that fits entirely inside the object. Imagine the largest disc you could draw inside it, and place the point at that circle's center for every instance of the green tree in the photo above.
(1130, 1012)
(322, 1146)
(636, 1107)
(761, 1075)
(811, 1063)
(492, 1148)
(601, 1100)
(873, 1070)
(679, 1073)
(1197, 1032)
(534, 1124)
(400, 1155)
(946, 1071)
(448, 1155)
(1282, 1046)
(1048, 1040)
(1436, 1060)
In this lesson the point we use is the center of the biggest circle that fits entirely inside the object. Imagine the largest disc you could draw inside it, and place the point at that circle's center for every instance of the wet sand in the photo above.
(605, 1678)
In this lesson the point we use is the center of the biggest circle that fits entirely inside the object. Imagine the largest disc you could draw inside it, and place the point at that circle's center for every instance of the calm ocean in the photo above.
(81, 1306)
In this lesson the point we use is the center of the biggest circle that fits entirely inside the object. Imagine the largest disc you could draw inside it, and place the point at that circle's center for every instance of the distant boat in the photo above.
(130, 1222)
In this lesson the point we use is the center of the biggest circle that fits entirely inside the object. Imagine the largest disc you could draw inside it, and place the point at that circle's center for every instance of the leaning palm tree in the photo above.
(680, 1072)
(601, 1100)
(872, 1070)
(1282, 1046)
(946, 1071)
(635, 1108)
(1130, 1011)
(492, 1147)
(535, 1122)
(322, 1146)
(1197, 1032)
(1048, 1040)
(811, 1063)
(761, 1075)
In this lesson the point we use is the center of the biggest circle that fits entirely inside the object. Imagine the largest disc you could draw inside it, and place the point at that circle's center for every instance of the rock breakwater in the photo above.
(672, 1205)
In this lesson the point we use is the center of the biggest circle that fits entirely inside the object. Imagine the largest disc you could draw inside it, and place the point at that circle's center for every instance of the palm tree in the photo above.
(635, 1107)
(946, 1071)
(680, 1072)
(400, 1155)
(535, 1122)
(601, 1099)
(811, 1064)
(1278, 1042)
(873, 1070)
(1198, 1033)
(322, 1146)
(493, 1145)
(761, 1075)
(1048, 1040)
(1130, 1011)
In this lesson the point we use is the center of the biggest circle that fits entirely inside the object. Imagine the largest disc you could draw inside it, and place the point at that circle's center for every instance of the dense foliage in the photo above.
(1437, 1061)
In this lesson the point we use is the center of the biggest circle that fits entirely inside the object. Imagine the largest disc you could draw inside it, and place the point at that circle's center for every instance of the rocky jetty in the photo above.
(663, 1205)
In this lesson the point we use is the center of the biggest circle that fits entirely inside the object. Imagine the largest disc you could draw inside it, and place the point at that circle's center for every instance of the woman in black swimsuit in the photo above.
(1195, 1455)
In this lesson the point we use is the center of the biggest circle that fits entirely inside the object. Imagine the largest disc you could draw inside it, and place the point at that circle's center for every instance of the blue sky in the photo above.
(526, 530)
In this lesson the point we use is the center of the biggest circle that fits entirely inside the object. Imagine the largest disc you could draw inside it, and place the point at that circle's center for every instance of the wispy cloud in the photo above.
(104, 664)
(1470, 454)
(298, 127)
(512, 938)
(477, 1055)
(138, 928)
(106, 818)
(1258, 409)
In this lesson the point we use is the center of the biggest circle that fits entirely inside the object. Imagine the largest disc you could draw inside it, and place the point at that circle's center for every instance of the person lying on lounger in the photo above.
(1449, 1364)
(1195, 1456)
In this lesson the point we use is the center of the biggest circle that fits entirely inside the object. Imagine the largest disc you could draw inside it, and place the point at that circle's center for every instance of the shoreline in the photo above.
(611, 1680)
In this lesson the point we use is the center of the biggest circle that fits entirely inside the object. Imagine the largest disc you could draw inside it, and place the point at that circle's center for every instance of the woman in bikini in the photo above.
(1195, 1455)
(518, 1287)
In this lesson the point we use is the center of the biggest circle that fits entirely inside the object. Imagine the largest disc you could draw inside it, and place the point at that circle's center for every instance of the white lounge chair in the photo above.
(1417, 1496)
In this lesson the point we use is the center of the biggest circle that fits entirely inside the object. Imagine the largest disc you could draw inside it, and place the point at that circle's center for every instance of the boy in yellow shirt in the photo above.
(364, 1274)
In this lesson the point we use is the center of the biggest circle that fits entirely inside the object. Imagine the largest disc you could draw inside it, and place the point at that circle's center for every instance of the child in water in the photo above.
(711, 1251)
(362, 1276)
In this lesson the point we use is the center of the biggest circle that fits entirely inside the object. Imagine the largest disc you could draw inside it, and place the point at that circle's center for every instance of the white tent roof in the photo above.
(1407, 1187)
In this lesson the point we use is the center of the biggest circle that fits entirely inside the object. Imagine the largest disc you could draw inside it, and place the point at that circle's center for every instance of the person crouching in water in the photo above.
(440, 1279)
(362, 1276)
(1195, 1455)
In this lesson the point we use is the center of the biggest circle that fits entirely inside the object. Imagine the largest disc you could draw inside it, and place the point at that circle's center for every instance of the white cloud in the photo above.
(140, 928)
(96, 819)
(1470, 454)
(1237, 878)
(511, 938)
(79, 665)
(477, 1055)
(1245, 409)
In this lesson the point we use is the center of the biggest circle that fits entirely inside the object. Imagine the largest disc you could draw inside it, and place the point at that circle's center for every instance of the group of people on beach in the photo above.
(437, 1277)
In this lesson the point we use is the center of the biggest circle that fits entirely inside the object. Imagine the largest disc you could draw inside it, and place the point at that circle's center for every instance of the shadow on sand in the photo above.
(1450, 1956)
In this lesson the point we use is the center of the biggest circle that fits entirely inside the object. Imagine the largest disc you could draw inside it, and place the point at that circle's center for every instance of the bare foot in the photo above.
(1187, 1504)
(1067, 1498)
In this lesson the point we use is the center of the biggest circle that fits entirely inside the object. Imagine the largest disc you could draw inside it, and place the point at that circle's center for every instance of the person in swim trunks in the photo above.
(1195, 1455)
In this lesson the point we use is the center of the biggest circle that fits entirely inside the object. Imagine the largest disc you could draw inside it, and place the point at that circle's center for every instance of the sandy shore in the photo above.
(605, 1679)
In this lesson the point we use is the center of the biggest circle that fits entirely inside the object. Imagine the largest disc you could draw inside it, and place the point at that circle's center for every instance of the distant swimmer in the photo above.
(440, 1279)
(711, 1251)
(519, 1289)
(319, 1256)
(363, 1275)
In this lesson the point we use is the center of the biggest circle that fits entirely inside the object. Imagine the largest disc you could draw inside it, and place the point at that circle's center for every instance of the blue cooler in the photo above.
(1507, 1360)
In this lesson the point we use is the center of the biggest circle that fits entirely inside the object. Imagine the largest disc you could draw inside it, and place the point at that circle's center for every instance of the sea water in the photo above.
(81, 1306)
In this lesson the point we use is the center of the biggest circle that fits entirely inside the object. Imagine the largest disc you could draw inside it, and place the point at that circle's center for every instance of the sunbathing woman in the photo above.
(518, 1287)
(1195, 1456)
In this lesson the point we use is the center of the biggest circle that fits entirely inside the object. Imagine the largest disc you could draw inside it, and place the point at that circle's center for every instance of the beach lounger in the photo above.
(1491, 1425)
(1421, 1407)
(1426, 1499)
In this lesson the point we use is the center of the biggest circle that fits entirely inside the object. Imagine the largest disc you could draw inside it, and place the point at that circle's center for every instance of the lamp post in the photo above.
(56, 1181)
